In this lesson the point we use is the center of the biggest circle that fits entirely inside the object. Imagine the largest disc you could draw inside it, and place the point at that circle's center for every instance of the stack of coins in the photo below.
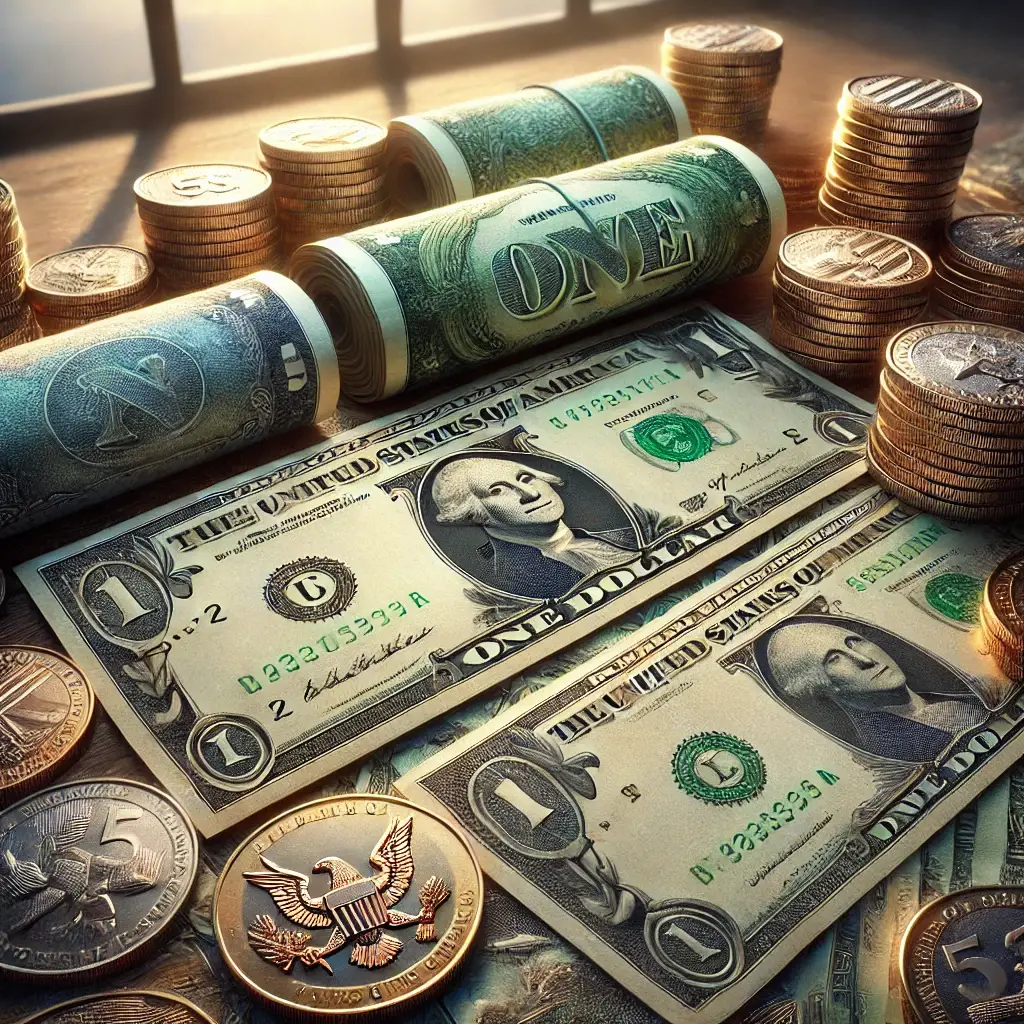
(726, 75)
(207, 223)
(328, 175)
(17, 324)
(840, 294)
(980, 271)
(898, 150)
(73, 287)
(948, 434)
(1002, 616)
(797, 158)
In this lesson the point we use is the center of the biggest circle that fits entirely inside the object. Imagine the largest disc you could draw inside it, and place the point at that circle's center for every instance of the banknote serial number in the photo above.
(610, 399)
(782, 813)
(348, 632)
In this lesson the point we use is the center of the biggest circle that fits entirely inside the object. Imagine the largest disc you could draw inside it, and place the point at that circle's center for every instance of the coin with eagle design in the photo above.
(350, 906)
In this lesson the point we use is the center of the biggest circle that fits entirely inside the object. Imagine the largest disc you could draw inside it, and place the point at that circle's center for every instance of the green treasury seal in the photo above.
(672, 437)
(718, 768)
(955, 595)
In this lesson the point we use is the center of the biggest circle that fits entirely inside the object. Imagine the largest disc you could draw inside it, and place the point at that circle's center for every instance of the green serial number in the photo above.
(782, 813)
(341, 636)
(610, 399)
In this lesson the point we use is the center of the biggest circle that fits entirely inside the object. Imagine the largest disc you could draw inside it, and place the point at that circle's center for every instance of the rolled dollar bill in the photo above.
(421, 298)
(119, 402)
(469, 149)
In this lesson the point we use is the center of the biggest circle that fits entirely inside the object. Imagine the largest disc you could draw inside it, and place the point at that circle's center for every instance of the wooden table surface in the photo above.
(80, 192)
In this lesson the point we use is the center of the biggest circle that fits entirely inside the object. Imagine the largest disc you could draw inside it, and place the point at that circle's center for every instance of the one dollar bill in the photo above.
(697, 804)
(258, 634)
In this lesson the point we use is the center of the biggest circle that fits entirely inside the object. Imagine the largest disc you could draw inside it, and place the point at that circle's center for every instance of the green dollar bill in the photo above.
(251, 637)
(117, 403)
(486, 145)
(697, 803)
(424, 297)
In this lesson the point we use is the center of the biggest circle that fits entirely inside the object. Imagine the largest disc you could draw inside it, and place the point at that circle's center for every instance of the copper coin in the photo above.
(323, 139)
(859, 357)
(213, 250)
(839, 333)
(904, 136)
(861, 165)
(838, 373)
(202, 263)
(946, 445)
(237, 219)
(315, 178)
(977, 298)
(202, 189)
(991, 243)
(310, 910)
(725, 43)
(940, 151)
(329, 206)
(854, 262)
(953, 309)
(857, 208)
(885, 187)
(872, 320)
(314, 190)
(46, 708)
(843, 303)
(932, 104)
(970, 368)
(127, 1006)
(102, 868)
(910, 204)
(273, 164)
(949, 269)
(1004, 596)
(946, 166)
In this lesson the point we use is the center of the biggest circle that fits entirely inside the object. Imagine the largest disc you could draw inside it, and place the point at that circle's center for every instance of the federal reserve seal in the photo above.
(955, 595)
(718, 768)
(310, 589)
(675, 437)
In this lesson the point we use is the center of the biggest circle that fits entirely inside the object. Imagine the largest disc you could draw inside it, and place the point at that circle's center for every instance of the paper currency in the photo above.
(428, 296)
(469, 149)
(694, 806)
(258, 634)
(119, 402)
(852, 973)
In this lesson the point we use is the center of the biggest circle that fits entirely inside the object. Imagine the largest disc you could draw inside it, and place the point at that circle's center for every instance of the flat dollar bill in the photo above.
(694, 806)
(258, 634)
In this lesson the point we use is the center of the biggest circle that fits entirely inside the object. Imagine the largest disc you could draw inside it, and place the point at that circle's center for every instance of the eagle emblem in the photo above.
(355, 907)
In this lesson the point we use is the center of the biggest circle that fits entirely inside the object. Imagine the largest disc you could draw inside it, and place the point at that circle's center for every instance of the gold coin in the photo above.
(972, 280)
(937, 201)
(978, 485)
(313, 178)
(842, 333)
(977, 298)
(203, 264)
(214, 250)
(89, 275)
(857, 208)
(855, 263)
(208, 222)
(885, 187)
(328, 207)
(940, 151)
(273, 165)
(858, 321)
(838, 373)
(860, 357)
(127, 1006)
(945, 167)
(14, 308)
(725, 43)
(862, 167)
(952, 309)
(721, 88)
(869, 303)
(194, 279)
(46, 708)
(989, 244)
(1004, 600)
(339, 218)
(918, 104)
(218, 236)
(372, 188)
(323, 139)
(122, 856)
(899, 137)
(192, 190)
(347, 958)
(946, 453)
(678, 61)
